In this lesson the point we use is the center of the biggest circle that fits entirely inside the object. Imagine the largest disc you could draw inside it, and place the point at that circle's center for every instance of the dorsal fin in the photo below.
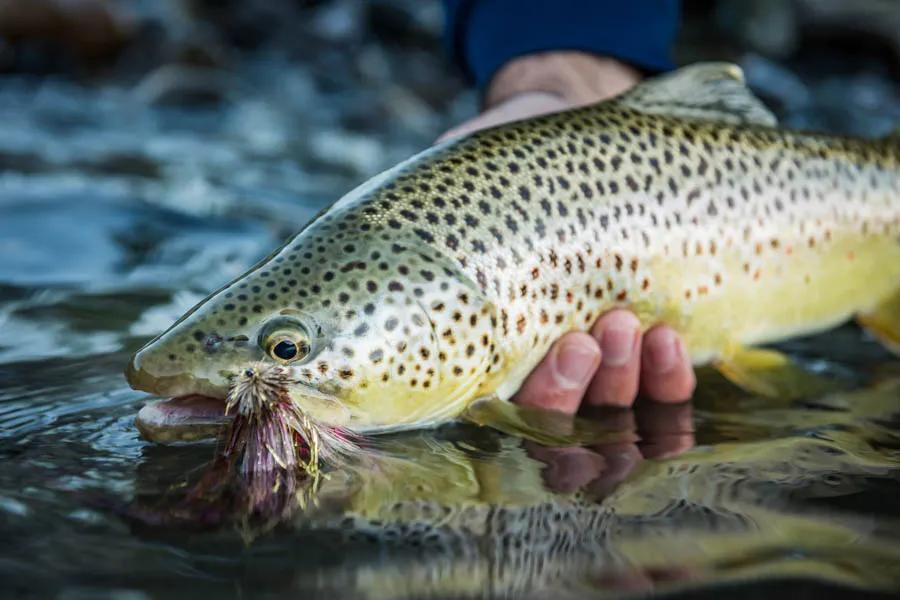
(713, 91)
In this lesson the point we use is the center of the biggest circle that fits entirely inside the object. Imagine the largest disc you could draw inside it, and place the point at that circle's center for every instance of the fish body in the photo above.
(448, 277)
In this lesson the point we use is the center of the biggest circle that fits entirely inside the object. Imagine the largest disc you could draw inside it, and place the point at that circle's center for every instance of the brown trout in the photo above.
(447, 278)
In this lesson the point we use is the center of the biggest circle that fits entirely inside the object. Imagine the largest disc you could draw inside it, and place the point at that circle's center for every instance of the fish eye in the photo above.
(287, 347)
(285, 339)
(285, 350)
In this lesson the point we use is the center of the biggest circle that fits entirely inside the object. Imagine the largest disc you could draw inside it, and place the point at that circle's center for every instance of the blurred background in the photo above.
(151, 150)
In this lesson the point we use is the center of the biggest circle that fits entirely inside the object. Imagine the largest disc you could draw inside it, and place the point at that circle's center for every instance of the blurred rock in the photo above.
(782, 28)
(865, 21)
(184, 85)
(776, 84)
(68, 33)
(358, 154)
(249, 24)
(864, 105)
(767, 26)
(200, 50)
(404, 24)
(339, 21)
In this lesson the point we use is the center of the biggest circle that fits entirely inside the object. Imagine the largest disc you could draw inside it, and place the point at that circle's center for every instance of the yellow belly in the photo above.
(799, 288)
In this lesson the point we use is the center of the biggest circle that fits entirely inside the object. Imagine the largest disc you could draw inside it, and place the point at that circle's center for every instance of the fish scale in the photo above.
(448, 277)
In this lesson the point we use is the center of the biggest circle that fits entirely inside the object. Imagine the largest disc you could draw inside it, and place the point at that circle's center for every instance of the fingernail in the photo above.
(574, 362)
(664, 356)
(617, 345)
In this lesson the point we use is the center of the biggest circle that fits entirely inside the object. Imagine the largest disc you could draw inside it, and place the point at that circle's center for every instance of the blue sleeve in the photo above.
(485, 34)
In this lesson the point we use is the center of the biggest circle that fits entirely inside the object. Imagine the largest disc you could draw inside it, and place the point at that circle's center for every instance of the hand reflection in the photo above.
(663, 430)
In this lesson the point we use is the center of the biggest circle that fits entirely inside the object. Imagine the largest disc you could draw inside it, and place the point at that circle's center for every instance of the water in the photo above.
(116, 217)
(730, 489)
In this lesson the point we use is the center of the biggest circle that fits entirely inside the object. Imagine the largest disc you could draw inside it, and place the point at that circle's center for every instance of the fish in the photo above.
(430, 292)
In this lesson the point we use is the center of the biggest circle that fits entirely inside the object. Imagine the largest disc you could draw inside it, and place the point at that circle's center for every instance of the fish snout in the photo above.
(144, 375)
(157, 372)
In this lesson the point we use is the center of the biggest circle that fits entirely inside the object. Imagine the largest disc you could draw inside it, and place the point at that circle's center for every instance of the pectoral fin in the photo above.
(884, 323)
(546, 427)
(772, 374)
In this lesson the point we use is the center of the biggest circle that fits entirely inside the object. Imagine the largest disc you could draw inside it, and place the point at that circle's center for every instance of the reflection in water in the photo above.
(466, 512)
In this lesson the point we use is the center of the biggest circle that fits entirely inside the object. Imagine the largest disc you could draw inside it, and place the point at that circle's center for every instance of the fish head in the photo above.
(389, 334)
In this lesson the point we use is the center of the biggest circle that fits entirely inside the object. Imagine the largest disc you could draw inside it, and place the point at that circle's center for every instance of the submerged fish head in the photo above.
(369, 332)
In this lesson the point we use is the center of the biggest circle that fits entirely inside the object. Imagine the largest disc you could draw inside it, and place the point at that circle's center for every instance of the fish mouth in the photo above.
(195, 409)
(185, 418)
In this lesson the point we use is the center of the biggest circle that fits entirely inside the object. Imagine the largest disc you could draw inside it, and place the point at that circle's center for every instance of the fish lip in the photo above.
(192, 409)
(185, 418)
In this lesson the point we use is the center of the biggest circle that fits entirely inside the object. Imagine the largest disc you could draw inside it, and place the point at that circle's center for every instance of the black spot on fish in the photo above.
(524, 193)
(424, 234)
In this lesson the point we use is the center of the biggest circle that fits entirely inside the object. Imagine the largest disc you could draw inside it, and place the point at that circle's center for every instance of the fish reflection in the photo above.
(462, 464)
(468, 512)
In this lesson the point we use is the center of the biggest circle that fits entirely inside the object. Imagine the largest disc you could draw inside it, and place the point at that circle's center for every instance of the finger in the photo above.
(666, 371)
(619, 460)
(616, 381)
(559, 381)
(666, 429)
(567, 470)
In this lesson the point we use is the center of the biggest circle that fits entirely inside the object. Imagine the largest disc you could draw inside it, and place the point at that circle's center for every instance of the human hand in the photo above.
(609, 365)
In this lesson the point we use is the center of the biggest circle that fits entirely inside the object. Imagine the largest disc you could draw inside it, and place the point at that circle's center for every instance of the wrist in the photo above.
(575, 77)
